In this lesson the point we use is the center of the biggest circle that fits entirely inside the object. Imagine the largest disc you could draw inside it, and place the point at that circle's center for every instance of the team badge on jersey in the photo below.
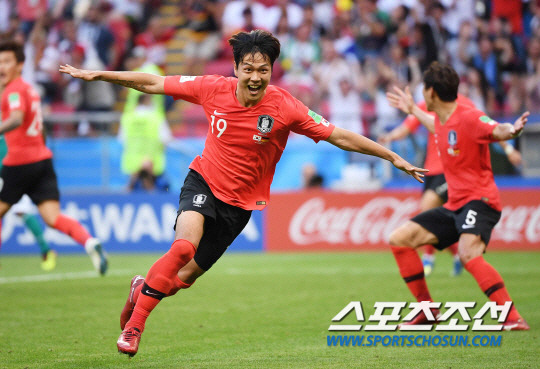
(452, 141)
(265, 124)
(199, 200)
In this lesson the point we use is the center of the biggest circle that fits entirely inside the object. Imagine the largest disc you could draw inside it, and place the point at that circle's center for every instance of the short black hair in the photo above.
(257, 41)
(16, 47)
(444, 80)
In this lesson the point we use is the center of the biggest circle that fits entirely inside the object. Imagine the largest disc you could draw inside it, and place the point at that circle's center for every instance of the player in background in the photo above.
(435, 191)
(462, 135)
(27, 167)
(249, 124)
(24, 210)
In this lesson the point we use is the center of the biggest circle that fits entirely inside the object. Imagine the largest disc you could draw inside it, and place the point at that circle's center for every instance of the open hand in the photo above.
(400, 99)
(519, 124)
(86, 75)
(410, 169)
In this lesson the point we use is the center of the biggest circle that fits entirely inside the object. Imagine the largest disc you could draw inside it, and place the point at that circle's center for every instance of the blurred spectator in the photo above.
(297, 57)
(155, 39)
(5, 15)
(486, 61)
(370, 28)
(422, 45)
(204, 39)
(94, 34)
(532, 83)
(345, 105)
(512, 11)
(232, 19)
(310, 177)
(144, 133)
(292, 12)
(462, 48)
(28, 11)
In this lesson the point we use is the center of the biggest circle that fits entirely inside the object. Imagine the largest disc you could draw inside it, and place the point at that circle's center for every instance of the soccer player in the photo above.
(462, 134)
(249, 124)
(435, 191)
(27, 167)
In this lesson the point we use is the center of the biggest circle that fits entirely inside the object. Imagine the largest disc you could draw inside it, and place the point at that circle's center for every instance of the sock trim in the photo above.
(414, 277)
(495, 287)
(150, 292)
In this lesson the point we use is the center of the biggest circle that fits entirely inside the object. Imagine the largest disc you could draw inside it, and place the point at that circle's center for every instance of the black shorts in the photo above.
(222, 222)
(37, 180)
(438, 184)
(476, 217)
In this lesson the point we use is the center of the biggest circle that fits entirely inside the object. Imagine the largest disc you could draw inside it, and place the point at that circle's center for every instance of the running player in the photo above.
(462, 135)
(27, 167)
(249, 124)
(435, 191)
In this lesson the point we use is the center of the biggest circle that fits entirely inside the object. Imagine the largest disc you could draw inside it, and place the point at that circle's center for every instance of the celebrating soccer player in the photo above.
(27, 167)
(249, 124)
(462, 134)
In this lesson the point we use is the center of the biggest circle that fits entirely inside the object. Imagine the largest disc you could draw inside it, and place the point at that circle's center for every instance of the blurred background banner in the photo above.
(331, 221)
(137, 222)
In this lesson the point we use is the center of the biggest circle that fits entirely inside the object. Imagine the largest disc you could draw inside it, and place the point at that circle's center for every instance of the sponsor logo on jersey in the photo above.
(199, 200)
(14, 100)
(265, 124)
(187, 78)
(488, 120)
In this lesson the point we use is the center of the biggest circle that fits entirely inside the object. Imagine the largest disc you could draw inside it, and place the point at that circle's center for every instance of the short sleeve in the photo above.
(306, 122)
(412, 123)
(194, 89)
(483, 127)
(13, 100)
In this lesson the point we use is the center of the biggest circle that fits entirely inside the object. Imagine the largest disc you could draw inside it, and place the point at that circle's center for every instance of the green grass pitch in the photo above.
(249, 311)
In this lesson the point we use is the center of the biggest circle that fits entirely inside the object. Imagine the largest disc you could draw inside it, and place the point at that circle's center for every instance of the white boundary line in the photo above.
(61, 276)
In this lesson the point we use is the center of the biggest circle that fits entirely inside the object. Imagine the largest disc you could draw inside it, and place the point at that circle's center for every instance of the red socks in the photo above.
(491, 283)
(161, 281)
(72, 228)
(412, 271)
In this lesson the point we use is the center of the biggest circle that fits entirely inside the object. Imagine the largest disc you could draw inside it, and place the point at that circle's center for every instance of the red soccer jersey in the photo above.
(243, 145)
(433, 160)
(463, 143)
(25, 143)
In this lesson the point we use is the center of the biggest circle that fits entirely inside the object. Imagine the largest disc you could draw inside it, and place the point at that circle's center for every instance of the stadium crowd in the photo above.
(338, 56)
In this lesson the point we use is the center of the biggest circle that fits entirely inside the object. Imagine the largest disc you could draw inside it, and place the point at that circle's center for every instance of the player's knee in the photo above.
(182, 250)
(402, 236)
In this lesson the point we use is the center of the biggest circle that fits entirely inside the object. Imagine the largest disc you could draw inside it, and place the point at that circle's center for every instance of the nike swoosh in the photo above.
(216, 113)
(467, 226)
(151, 293)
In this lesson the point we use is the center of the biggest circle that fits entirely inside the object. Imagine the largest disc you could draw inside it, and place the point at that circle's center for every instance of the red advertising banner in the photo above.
(333, 221)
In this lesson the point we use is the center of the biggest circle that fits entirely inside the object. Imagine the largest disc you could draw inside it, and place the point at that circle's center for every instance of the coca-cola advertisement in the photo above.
(333, 221)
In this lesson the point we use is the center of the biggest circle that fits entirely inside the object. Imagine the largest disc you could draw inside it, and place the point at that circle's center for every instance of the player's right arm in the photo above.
(16, 118)
(404, 101)
(144, 82)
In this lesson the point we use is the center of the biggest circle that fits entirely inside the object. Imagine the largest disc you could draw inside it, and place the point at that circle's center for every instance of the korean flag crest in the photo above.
(265, 124)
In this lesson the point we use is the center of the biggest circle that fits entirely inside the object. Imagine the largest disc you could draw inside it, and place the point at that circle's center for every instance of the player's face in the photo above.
(9, 68)
(428, 98)
(253, 73)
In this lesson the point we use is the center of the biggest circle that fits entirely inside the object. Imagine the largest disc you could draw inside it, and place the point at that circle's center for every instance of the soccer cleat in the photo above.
(428, 264)
(128, 342)
(130, 303)
(458, 268)
(516, 325)
(422, 319)
(49, 261)
(97, 255)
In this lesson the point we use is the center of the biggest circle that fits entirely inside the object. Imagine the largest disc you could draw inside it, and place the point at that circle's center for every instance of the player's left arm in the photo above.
(350, 141)
(507, 131)
(14, 121)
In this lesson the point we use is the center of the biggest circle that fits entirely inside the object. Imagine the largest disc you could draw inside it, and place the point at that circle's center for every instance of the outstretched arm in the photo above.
(144, 82)
(507, 131)
(404, 101)
(513, 155)
(397, 133)
(350, 141)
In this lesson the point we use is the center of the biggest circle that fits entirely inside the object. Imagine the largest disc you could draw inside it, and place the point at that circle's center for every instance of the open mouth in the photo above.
(254, 89)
